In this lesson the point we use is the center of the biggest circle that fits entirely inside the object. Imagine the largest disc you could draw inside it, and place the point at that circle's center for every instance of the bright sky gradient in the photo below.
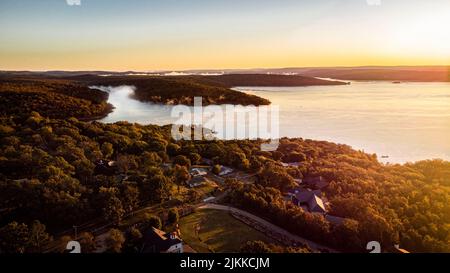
(186, 34)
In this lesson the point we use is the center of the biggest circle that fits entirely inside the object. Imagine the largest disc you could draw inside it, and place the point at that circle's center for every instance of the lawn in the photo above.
(218, 232)
(206, 189)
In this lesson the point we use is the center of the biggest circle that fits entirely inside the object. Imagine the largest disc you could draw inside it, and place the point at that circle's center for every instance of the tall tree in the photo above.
(38, 237)
(181, 176)
(14, 238)
(115, 241)
(111, 205)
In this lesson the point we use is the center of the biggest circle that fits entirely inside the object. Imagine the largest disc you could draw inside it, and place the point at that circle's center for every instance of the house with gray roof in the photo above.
(197, 181)
(309, 200)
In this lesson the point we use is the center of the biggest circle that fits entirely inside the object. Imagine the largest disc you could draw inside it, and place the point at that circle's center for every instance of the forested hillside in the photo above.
(49, 171)
(51, 98)
(53, 173)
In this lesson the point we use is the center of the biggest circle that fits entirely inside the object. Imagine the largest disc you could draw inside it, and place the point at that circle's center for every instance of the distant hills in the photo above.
(54, 98)
(363, 73)
(232, 80)
(369, 73)
(71, 89)
(407, 74)
(59, 94)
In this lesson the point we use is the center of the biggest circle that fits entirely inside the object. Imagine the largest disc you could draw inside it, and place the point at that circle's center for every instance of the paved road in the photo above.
(269, 226)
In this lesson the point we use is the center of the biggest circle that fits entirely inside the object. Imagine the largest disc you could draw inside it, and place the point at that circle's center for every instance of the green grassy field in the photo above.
(219, 232)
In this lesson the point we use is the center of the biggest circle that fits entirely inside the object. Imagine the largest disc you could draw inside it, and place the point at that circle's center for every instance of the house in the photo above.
(198, 172)
(158, 241)
(317, 182)
(315, 204)
(225, 170)
(309, 200)
(197, 181)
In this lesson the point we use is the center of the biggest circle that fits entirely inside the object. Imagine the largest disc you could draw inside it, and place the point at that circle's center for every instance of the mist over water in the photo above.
(407, 122)
(128, 109)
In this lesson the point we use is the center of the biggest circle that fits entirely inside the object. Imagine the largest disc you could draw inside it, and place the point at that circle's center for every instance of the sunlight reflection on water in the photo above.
(406, 122)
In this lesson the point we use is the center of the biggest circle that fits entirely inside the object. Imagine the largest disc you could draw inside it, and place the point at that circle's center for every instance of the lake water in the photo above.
(407, 122)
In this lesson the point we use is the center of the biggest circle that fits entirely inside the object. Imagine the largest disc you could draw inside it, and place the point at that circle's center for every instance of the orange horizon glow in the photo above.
(156, 35)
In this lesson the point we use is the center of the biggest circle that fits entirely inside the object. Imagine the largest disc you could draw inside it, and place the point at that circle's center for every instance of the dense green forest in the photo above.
(53, 176)
(213, 89)
(52, 98)
(70, 90)
(392, 204)
(179, 90)
(49, 173)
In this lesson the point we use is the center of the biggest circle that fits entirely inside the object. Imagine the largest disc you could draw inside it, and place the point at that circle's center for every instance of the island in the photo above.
(72, 95)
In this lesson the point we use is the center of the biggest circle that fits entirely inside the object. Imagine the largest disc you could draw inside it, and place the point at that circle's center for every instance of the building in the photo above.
(309, 200)
(198, 172)
(158, 241)
(197, 181)
(315, 204)
(225, 170)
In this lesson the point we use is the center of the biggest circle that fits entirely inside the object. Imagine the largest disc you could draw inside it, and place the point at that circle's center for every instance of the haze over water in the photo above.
(407, 122)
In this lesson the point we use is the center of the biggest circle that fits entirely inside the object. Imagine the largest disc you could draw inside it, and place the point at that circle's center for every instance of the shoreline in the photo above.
(387, 155)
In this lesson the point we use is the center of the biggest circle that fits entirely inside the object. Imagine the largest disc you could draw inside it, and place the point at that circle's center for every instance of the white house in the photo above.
(158, 241)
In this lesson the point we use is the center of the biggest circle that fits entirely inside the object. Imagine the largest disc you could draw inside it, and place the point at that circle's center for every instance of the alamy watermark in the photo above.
(227, 122)
(373, 2)
(73, 2)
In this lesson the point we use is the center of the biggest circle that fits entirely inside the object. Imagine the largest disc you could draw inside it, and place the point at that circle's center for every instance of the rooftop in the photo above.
(310, 198)
(158, 241)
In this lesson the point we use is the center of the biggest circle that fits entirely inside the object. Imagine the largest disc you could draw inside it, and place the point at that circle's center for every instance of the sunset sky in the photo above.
(150, 35)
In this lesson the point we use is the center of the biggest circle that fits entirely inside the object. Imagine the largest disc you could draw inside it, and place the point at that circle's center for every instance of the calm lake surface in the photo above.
(407, 122)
